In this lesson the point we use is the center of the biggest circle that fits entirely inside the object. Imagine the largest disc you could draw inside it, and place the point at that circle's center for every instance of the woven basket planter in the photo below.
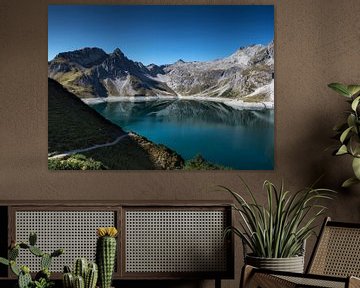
(291, 264)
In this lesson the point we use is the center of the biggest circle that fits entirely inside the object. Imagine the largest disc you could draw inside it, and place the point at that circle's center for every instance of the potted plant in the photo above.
(84, 274)
(276, 233)
(42, 278)
(348, 132)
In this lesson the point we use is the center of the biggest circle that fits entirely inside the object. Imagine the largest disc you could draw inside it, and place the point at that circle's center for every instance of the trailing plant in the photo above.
(348, 132)
(279, 229)
(42, 278)
(84, 275)
(105, 254)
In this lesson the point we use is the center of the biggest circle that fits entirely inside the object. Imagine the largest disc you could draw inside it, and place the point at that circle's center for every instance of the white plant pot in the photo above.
(291, 264)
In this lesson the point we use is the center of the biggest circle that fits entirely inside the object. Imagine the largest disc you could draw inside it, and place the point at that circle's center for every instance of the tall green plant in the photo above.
(106, 254)
(348, 132)
(279, 229)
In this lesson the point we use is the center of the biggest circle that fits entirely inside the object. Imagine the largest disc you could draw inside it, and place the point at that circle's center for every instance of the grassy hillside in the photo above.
(74, 125)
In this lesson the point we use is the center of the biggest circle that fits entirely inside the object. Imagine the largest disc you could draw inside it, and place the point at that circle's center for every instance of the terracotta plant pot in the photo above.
(291, 264)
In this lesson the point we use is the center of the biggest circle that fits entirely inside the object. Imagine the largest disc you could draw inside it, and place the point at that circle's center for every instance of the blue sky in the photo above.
(159, 34)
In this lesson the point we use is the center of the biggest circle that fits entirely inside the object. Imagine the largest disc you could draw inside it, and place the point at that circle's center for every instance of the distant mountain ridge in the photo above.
(91, 72)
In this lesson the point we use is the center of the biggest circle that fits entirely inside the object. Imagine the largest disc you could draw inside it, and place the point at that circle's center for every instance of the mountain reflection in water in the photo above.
(240, 139)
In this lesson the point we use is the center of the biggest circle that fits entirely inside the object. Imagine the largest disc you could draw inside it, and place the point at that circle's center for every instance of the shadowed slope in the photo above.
(74, 125)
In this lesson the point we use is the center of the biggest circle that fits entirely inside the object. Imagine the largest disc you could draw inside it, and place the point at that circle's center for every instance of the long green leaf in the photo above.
(340, 88)
(356, 167)
(349, 182)
(342, 150)
(355, 103)
(345, 134)
(280, 228)
(353, 90)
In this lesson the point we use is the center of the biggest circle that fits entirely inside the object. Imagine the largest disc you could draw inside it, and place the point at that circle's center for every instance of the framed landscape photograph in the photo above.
(161, 87)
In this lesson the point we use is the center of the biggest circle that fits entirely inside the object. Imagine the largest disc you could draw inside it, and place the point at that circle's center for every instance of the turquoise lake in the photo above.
(240, 139)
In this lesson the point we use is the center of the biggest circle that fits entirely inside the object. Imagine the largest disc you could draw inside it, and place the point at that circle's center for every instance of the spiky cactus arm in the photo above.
(45, 261)
(57, 253)
(32, 238)
(14, 268)
(67, 269)
(91, 276)
(36, 251)
(24, 280)
(79, 282)
(14, 253)
(68, 280)
(80, 268)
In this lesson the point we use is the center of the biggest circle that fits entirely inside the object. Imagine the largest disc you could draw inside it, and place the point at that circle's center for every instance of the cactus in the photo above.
(32, 238)
(91, 276)
(24, 278)
(90, 272)
(14, 268)
(79, 282)
(67, 269)
(13, 253)
(68, 280)
(24, 245)
(57, 252)
(105, 254)
(45, 261)
(80, 267)
(36, 251)
(44, 273)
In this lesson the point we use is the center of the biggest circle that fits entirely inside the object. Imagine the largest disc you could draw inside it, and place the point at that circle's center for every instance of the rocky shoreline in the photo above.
(234, 103)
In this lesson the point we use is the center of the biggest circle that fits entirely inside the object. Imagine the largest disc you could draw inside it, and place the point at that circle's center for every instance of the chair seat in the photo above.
(335, 262)
(268, 279)
(314, 282)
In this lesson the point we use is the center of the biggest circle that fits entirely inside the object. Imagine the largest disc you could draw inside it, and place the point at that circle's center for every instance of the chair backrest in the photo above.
(337, 251)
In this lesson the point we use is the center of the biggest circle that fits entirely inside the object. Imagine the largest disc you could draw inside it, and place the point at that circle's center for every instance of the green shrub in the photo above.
(200, 163)
(75, 162)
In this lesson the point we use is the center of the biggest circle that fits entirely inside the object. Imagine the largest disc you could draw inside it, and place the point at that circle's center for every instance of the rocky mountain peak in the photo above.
(237, 75)
(119, 53)
(180, 61)
(86, 57)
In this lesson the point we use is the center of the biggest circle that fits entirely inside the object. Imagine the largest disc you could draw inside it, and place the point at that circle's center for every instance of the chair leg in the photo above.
(354, 282)
(246, 274)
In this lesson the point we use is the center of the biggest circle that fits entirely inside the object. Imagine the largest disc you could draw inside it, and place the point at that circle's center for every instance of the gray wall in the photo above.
(317, 42)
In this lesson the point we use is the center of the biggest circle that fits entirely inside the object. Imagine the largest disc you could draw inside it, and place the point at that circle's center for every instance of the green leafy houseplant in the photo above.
(279, 229)
(348, 132)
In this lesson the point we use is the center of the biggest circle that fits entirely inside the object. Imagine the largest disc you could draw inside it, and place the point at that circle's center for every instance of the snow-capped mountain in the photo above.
(90, 72)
